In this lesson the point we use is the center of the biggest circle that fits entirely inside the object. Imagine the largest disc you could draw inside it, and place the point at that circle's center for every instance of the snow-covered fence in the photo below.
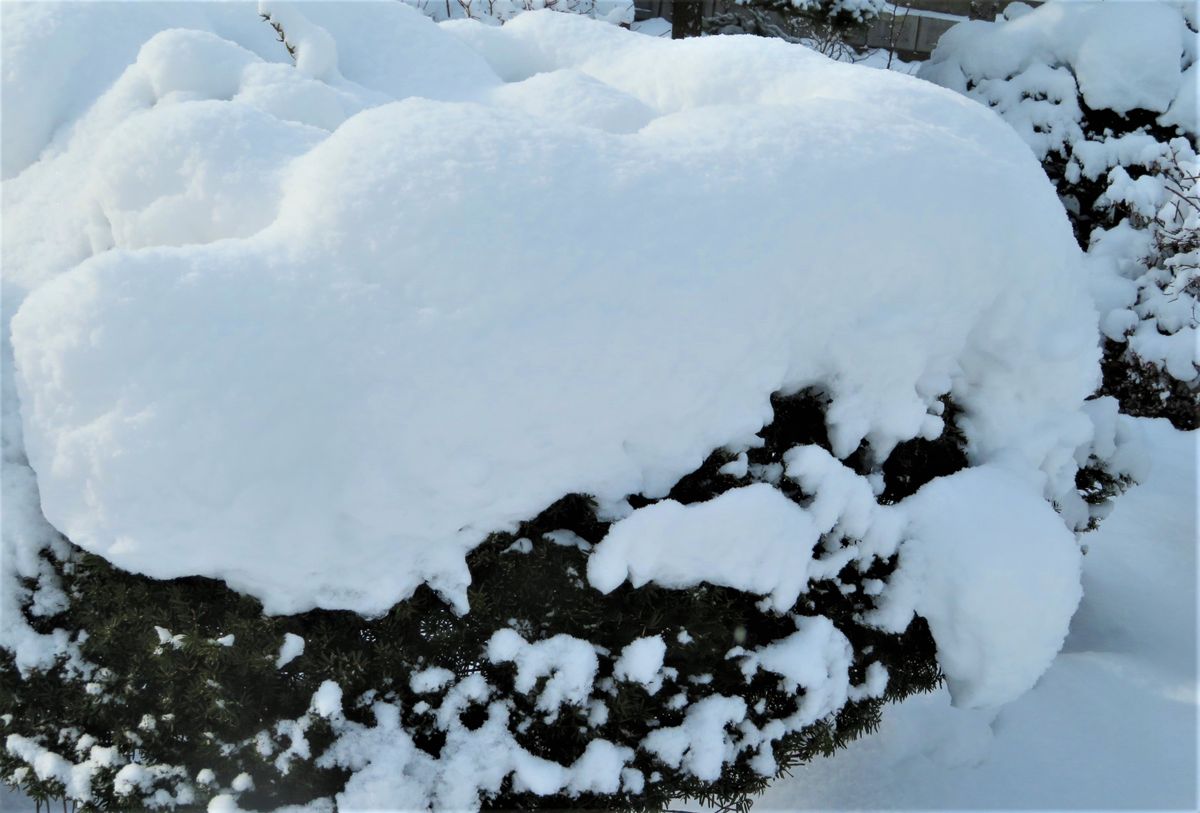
(912, 28)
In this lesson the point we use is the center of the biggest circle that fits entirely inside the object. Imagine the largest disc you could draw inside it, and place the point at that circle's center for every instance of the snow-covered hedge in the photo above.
(537, 382)
(1105, 95)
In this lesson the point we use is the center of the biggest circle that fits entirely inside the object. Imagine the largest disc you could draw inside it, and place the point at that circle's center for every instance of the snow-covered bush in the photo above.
(1150, 359)
(446, 415)
(1105, 95)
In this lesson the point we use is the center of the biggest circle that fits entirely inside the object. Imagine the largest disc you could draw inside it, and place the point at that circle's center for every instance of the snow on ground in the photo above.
(880, 58)
(1112, 724)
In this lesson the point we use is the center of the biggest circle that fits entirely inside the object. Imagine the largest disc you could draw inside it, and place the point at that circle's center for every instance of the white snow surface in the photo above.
(1112, 723)
(700, 745)
(816, 657)
(983, 558)
(432, 679)
(990, 566)
(327, 700)
(291, 648)
(641, 661)
(1038, 70)
(568, 664)
(495, 12)
(1122, 55)
(752, 538)
(348, 317)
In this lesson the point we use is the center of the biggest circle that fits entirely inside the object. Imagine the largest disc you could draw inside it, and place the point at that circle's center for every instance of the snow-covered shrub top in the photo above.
(316, 302)
(1105, 95)
(393, 352)
(318, 329)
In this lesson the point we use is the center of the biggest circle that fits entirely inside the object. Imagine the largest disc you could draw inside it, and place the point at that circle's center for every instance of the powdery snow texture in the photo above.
(317, 329)
(1111, 725)
(1034, 69)
(993, 570)
(460, 311)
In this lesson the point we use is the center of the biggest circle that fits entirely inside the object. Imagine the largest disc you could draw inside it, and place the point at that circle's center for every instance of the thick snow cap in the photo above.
(1122, 56)
(355, 318)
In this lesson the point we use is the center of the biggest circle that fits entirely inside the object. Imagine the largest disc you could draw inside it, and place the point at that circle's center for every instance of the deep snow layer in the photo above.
(437, 319)
(1113, 722)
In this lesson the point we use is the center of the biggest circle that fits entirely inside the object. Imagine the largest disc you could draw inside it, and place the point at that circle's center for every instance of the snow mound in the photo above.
(345, 318)
(60, 57)
(357, 42)
(816, 657)
(983, 558)
(701, 744)
(990, 566)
